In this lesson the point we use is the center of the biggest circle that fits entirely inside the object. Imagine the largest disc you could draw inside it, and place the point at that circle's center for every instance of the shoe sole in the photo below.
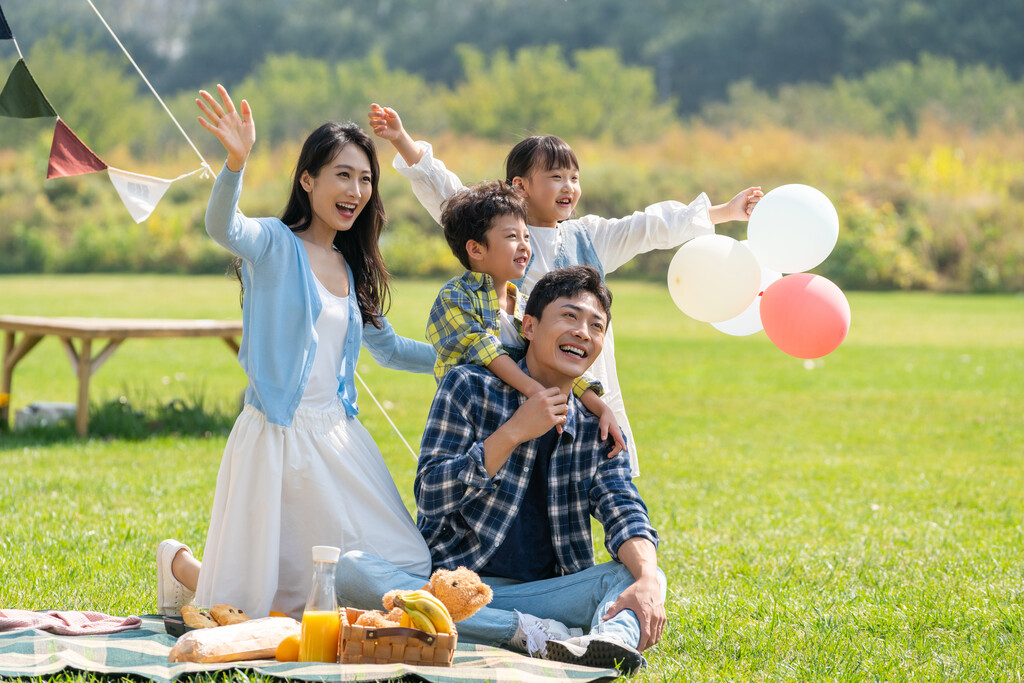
(598, 653)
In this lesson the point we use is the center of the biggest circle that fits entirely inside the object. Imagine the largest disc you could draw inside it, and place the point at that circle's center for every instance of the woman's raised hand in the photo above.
(235, 129)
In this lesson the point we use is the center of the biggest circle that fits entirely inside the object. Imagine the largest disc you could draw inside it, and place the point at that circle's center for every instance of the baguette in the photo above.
(253, 639)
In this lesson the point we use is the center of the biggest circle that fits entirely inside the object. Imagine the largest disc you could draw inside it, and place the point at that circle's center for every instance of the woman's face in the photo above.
(340, 190)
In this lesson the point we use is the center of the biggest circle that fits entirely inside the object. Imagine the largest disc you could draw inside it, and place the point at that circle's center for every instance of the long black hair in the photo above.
(358, 245)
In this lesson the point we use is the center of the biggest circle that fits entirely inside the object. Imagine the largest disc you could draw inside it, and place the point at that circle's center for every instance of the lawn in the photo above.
(859, 517)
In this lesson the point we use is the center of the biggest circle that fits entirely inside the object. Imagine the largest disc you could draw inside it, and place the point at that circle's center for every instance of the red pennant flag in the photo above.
(69, 155)
(5, 29)
(21, 97)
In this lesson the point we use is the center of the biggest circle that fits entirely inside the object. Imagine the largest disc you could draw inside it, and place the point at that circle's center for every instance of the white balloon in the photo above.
(713, 278)
(749, 321)
(793, 228)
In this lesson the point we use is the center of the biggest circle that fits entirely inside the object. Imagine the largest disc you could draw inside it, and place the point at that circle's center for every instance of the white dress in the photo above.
(616, 241)
(282, 490)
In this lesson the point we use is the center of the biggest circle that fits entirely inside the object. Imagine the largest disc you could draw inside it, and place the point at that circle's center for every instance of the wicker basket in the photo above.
(362, 645)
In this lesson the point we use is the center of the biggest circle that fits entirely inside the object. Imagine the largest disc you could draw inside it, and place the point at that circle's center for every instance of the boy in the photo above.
(477, 318)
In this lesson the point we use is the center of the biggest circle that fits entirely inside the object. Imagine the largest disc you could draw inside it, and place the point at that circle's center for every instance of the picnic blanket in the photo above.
(143, 652)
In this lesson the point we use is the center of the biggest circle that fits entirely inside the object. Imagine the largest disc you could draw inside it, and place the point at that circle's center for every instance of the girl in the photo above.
(299, 469)
(545, 171)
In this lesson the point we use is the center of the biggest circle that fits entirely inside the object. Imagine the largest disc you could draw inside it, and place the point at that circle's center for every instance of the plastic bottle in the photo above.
(321, 623)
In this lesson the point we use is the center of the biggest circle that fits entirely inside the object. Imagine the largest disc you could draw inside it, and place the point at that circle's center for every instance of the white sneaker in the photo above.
(533, 633)
(602, 650)
(171, 594)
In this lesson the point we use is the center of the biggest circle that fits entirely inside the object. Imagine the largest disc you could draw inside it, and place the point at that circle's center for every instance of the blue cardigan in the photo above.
(280, 309)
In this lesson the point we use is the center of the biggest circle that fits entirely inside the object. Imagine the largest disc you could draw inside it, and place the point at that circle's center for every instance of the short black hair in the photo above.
(469, 213)
(569, 282)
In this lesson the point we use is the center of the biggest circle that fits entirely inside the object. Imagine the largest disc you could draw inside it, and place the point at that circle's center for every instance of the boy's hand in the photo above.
(609, 425)
(385, 122)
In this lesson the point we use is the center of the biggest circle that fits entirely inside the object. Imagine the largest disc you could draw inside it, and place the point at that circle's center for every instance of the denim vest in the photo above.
(576, 248)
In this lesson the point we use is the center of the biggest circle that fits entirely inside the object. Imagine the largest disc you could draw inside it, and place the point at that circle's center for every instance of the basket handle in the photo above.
(375, 633)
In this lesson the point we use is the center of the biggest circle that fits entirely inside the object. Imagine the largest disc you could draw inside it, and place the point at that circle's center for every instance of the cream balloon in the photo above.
(713, 278)
(793, 228)
(749, 321)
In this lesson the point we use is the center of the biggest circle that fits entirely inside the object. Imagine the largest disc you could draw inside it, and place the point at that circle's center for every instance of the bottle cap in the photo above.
(326, 553)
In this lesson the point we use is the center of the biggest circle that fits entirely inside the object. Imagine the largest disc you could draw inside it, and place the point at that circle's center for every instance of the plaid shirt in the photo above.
(464, 326)
(465, 514)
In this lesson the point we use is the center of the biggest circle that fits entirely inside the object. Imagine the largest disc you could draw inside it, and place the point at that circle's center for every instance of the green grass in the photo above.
(855, 518)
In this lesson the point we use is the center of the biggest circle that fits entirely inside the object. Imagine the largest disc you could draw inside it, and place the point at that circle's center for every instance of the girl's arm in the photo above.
(609, 425)
(386, 124)
(432, 183)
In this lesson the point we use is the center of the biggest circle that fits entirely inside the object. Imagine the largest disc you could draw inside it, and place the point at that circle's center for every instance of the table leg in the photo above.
(84, 373)
(13, 354)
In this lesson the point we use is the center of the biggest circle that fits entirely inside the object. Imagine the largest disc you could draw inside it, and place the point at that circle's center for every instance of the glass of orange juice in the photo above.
(319, 641)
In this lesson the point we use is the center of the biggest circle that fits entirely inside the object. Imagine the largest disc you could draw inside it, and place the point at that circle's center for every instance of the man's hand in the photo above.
(547, 408)
(542, 411)
(644, 598)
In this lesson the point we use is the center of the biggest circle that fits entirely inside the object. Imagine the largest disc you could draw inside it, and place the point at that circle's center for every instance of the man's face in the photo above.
(566, 339)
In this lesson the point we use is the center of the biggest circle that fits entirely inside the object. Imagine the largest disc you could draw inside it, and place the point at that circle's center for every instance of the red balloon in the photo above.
(805, 315)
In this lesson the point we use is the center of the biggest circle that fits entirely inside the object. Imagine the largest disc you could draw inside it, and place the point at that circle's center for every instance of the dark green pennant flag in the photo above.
(5, 29)
(21, 97)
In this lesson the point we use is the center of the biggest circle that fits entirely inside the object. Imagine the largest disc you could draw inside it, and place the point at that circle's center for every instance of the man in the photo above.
(506, 486)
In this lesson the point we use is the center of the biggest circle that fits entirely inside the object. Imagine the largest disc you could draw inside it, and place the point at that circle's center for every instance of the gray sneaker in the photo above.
(602, 650)
(533, 633)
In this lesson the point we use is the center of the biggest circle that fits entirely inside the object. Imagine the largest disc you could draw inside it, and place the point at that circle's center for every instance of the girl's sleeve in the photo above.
(432, 182)
(660, 226)
(396, 352)
(242, 236)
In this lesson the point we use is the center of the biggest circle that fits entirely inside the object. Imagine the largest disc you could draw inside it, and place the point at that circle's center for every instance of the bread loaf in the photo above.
(254, 639)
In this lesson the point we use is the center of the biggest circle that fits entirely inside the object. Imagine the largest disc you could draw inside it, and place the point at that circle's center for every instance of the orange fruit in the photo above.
(288, 650)
(278, 614)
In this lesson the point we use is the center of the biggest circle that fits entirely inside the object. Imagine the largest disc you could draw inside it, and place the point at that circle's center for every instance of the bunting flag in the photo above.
(140, 193)
(21, 98)
(69, 156)
(5, 28)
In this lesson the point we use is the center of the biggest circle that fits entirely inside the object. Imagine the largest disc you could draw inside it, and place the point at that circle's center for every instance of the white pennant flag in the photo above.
(141, 193)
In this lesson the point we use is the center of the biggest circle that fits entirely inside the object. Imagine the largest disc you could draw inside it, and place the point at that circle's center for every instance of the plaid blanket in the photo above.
(143, 652)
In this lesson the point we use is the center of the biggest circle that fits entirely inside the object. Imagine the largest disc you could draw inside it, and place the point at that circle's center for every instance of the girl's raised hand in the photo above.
(235, 129)
(740, 206)
(385, 122)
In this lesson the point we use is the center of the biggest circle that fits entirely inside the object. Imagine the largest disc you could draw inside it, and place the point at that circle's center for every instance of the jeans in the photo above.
(577, 600)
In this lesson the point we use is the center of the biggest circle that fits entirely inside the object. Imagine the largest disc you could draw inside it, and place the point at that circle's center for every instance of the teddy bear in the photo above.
(460, 590)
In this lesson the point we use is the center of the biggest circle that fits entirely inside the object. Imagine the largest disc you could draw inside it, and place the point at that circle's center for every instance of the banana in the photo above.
(406, 622)
(420, 620)
(426, 603)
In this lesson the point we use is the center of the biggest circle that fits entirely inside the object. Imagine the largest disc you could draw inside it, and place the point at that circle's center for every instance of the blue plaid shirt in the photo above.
(464, 514)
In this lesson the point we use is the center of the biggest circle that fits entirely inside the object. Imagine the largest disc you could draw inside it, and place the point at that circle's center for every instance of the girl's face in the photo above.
(338, 193)
(551, 195)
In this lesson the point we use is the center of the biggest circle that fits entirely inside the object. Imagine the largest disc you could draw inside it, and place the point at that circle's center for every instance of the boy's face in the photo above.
(551, 195)
(566, 338)
(507, 250)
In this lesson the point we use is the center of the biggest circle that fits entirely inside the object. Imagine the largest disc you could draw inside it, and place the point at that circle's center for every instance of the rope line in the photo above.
(387, 417)
(152, 89)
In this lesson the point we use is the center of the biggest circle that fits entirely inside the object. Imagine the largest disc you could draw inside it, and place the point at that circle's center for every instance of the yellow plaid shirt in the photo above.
(464, 326)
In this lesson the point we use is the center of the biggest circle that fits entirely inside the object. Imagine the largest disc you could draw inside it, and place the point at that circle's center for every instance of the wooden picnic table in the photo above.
(84, 331)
